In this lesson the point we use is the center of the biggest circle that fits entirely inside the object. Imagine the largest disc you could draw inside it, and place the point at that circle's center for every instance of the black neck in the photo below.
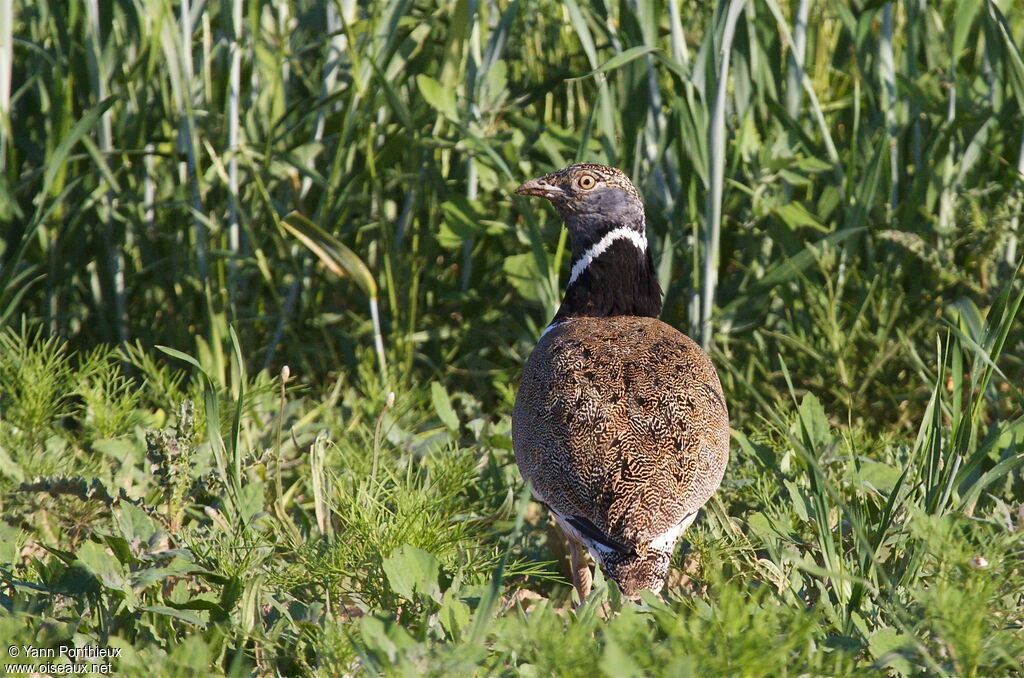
(619, 281)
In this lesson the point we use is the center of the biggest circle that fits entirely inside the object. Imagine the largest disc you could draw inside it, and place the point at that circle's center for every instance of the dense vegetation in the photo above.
(232, 230)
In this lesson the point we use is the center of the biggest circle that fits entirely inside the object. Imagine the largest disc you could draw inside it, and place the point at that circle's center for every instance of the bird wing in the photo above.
(591, 533)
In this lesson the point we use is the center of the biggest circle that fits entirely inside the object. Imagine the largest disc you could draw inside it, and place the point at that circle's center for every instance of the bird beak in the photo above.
(540, 187)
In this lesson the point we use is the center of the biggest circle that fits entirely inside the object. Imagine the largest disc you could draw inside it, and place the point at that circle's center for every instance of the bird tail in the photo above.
(638, 570)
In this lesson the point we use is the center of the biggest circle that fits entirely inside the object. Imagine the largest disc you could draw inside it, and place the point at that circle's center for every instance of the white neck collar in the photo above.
(598, 248)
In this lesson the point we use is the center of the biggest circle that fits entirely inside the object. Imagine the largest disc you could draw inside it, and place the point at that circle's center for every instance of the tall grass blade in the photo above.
(234, 124)
(104, 134)
(6, 67)
(887, 68)
(321, 484)
(795, 72)
(716, 167)
(188, 145)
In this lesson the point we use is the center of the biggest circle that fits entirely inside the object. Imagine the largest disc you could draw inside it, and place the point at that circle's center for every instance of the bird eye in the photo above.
(587, 182)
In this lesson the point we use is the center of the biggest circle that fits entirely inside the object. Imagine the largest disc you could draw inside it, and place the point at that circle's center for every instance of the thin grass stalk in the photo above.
(681, 54)
(472, 77)
(236, 449)
(186, 139)
(6, 66)
(948, 197)
(284, 12)
(285, 374)
(378, 342)
(604, 105)
(104, 135)
(472, 190)
(406, 215)
(234, 93)
(206, 44)
(716, 170)
(321, 484)
(337, 45)
(678, 36)
(149, 188)
(917, 15)
(992, 84)
(887, 68)
(795, 72)
(656, 128)
(1014, 234)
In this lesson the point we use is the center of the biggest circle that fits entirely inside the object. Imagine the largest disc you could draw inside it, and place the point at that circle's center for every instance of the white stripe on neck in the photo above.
(548, 329)
(598, 248)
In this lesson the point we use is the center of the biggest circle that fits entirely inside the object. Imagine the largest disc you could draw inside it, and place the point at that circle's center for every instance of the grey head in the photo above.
(591, 200)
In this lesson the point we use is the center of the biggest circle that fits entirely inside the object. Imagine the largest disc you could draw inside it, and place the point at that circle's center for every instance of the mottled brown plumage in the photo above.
(620, 423)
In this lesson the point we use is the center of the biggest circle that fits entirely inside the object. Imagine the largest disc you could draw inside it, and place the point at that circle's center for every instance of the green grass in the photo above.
(223, 253)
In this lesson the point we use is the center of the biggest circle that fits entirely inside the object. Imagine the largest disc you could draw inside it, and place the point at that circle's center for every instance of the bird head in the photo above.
(611, 271)
(591, 199)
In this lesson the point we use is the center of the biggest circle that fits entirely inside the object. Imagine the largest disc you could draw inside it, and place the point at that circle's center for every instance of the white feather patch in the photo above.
(596, 549)
(598, 248)
(666, 541)
(551, 327)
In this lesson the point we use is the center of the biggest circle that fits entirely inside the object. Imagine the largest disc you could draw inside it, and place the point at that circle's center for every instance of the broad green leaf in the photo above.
(463, 220)
(796, 215)
(893, 649)
(117, 448)
(177, 567)
(175, 353)
(874, 475)
(385, 637)
(524, 274)
(440, 97)
(454, 614)
(619, 60)
(452, 233)
(620, 635)
(963, 19)
(250, 500)
(813, 165)
(798, 500)
(443, 406)
(105, 566)
(119, 545)
(9, 543)
(183, 615)
(411, 571)
(337, 257)
(762, 526)
(815, 423)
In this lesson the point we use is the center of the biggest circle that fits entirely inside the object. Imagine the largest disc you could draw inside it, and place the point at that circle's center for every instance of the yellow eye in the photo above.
(587, 182)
